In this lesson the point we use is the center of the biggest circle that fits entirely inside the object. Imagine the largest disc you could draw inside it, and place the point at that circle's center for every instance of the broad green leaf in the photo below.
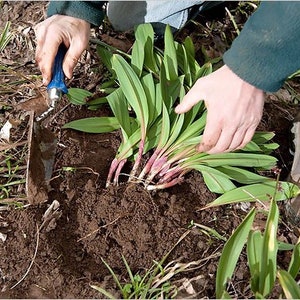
(78, 96)
(149, 88)
(216, 181)
(153, 135)
(242, 175)
(175, 130)
(294, 266)
(251, 147)
(183, 63)
(239, 159)
(259, 191)
(145, 35)
(119, 107)
(137, 56)
(267, 257)
(196, 128)
(231, 252)
(290, 287)
(132, 89)
(165, 128)
(206, 69)
(254, 252)
(106, 56)
(97, 101)
(94, 125)
(170, 57)
(261, 137)
(194, 113)
(268, 263)
(282, 246)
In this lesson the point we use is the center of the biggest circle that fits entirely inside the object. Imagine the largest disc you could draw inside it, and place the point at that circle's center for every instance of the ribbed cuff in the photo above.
(90, 11)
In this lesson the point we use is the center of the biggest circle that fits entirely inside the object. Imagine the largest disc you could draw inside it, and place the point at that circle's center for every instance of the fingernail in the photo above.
(177, 109)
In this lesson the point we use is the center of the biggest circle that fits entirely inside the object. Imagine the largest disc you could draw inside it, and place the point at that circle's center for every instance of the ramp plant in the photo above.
(262, 250)
(144, 88)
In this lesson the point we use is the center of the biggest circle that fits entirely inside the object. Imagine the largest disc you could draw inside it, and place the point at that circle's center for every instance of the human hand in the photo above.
(73, 32)
(234, 109)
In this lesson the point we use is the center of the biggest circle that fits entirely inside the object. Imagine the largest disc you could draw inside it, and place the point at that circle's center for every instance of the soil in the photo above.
(61, 255)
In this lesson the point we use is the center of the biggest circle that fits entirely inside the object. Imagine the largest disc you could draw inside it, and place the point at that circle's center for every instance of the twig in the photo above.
(14, 145)
(32, 261)
(96, 230)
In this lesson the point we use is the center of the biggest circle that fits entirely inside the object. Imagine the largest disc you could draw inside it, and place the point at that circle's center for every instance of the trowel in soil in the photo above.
(293, 205)
(42, 141)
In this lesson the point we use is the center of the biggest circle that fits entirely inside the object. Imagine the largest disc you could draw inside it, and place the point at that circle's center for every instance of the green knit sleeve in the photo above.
(267, 50)
(90, 11)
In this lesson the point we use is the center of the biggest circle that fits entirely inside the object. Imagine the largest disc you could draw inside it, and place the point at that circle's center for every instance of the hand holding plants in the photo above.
(234, 110)
(73, 32)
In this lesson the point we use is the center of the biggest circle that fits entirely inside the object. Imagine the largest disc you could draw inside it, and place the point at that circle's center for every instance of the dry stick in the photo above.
(96, 230)
(11, 200)
(14, 145)
(32, 261)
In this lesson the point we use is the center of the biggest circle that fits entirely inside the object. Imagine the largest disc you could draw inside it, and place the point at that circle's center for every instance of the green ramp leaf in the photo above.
(290, 287)
(94, 125)
(259, 191)
(230, 254)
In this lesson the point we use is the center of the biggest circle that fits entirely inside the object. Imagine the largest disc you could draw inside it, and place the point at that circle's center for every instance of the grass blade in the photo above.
(5, 36)
(103, 291)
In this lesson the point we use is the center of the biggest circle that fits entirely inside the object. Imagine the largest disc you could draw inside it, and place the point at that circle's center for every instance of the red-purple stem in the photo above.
(149, 163)
(118, 171)
(165, 185)
(138, 159)
(113, 167)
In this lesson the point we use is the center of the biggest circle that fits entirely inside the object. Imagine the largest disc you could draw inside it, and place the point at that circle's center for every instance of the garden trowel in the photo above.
(293, 205)
(41, 140)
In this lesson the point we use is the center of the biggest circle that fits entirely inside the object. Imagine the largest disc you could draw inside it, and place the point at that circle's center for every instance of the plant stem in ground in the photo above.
(165, 185)
(138, 159)
(118, 171)
(113, 167)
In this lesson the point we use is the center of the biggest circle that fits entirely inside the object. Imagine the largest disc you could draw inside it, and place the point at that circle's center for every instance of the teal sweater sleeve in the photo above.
(267, 50)
(90, 11)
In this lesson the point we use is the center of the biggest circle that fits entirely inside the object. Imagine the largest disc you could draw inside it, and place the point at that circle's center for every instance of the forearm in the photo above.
(267, 50)
(90, 11)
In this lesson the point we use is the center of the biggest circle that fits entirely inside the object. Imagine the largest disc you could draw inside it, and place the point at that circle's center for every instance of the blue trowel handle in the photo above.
(58, 76)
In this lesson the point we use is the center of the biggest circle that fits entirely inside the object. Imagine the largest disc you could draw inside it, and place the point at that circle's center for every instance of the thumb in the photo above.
(191, 98)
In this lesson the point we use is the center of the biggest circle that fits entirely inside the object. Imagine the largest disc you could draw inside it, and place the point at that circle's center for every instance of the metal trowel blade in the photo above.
(41, 154)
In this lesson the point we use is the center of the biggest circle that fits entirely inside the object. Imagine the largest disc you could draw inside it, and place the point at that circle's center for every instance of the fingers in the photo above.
(73, 32)
(191, 98)
(234, 109)
(226, 141)
(47, 45)
(70, 61)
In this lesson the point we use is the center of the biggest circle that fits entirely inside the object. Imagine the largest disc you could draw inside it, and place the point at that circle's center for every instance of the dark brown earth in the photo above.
(61, 257)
